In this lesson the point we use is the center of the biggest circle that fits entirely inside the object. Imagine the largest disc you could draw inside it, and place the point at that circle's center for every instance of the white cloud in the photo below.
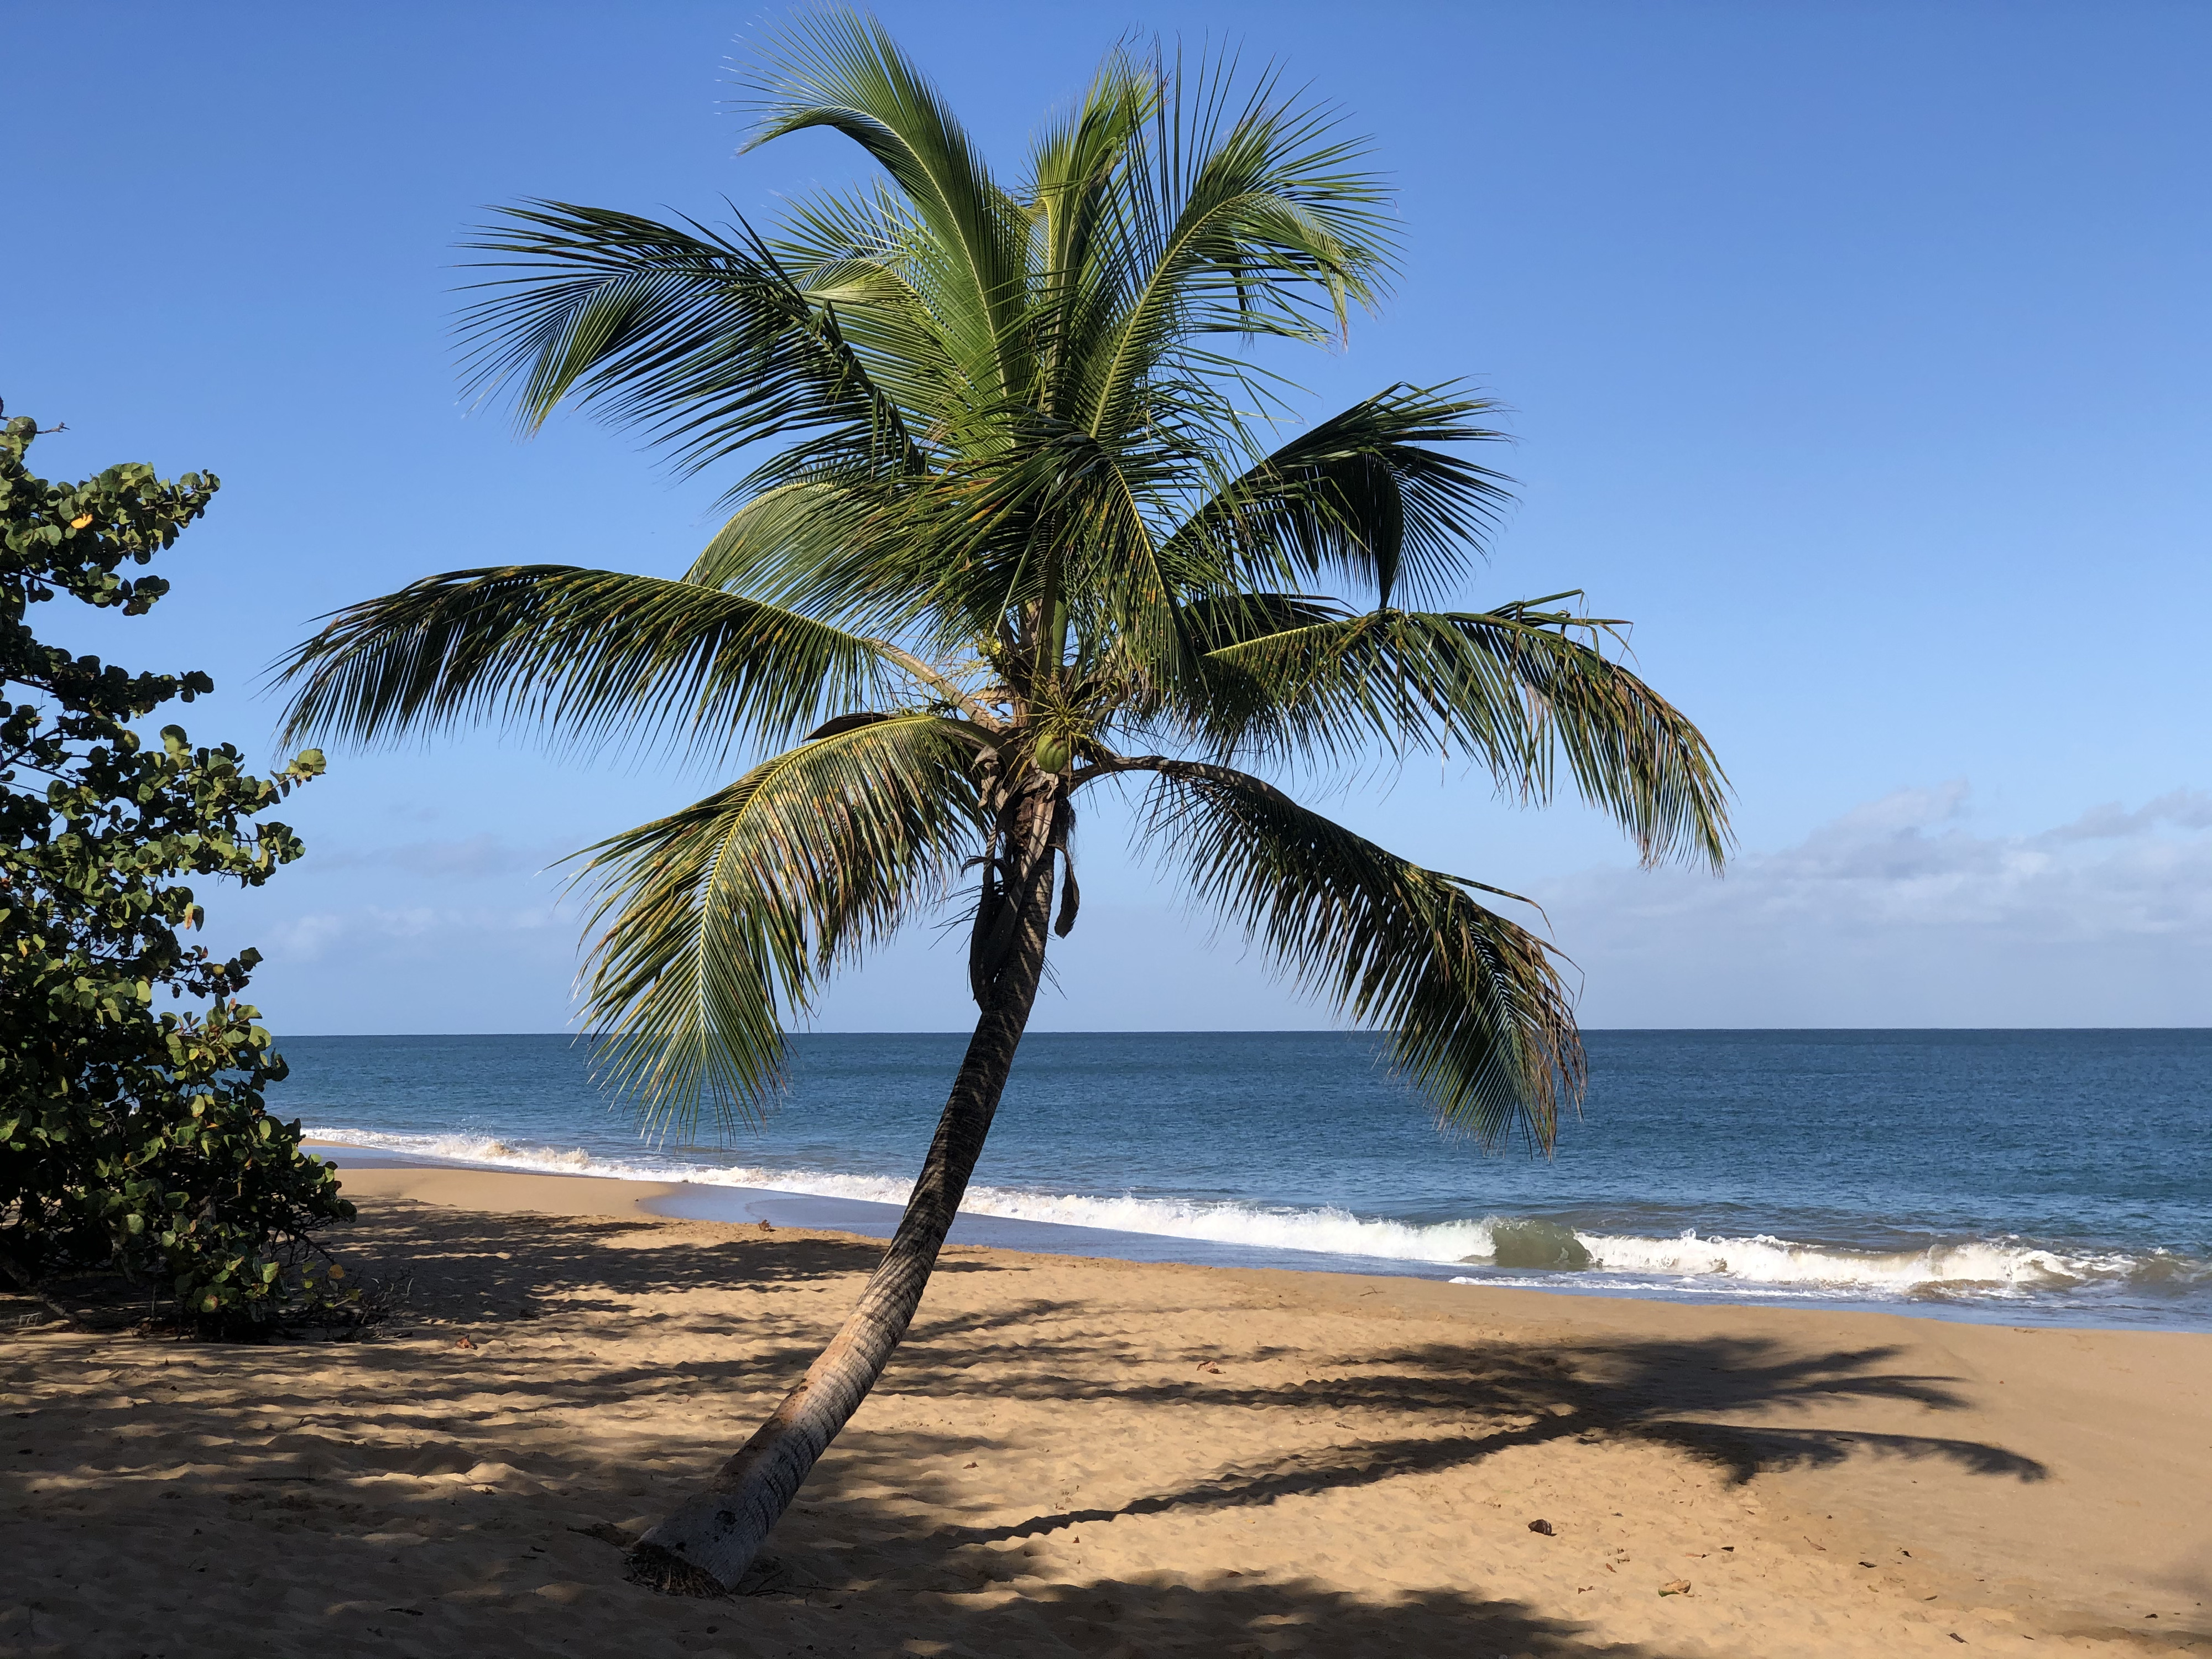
(474, 858)
(2185, 809)
(1899, 912)
(403, 930)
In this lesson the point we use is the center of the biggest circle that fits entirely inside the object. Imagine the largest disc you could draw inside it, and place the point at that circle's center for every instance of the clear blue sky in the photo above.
(1859, 352)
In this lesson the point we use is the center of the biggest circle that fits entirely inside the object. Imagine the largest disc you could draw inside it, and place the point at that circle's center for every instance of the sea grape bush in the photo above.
(133, 1136)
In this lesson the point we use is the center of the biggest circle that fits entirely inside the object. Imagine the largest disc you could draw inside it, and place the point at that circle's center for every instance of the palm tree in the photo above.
(1016, 535)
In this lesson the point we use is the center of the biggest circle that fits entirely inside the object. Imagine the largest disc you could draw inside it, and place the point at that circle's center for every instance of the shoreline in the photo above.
(715, 1201)
(1074, 1454)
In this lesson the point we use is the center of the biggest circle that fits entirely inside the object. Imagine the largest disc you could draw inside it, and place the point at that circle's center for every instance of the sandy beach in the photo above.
(1079, 1456)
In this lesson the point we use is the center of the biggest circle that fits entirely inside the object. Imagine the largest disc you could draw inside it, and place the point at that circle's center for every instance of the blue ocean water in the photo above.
(2063, 1175)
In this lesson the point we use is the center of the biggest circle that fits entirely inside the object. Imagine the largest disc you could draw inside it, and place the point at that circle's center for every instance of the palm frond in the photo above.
(1077, 197)
(721, 921)
(841, 70)
(1218, 621)
(701, 339)
(1361, 497)
(773, 545)
(1477, 1018)
(588, 655)
(1517, 690)
(1252, 218)
(867, 259)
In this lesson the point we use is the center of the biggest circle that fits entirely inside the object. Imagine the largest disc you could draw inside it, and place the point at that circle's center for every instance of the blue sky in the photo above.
(1859, 353)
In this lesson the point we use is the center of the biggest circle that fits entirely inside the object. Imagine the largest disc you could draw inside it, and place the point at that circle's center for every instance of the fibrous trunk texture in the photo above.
(706, 1545)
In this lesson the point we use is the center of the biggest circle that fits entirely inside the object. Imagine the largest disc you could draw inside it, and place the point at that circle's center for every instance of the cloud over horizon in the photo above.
(1898, 913)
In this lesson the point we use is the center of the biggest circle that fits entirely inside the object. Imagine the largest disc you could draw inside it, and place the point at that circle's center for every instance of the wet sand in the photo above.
(1084, 1456)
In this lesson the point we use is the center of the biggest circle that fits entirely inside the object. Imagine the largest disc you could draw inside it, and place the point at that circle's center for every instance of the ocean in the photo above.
(2029, 1176)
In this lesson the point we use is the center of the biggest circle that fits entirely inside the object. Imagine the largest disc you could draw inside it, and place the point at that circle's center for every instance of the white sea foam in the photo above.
(1333, 1230)
(1991, 1265)
(1627, 1261)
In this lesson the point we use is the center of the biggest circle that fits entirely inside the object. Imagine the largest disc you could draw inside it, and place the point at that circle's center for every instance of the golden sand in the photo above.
(1073, 1456)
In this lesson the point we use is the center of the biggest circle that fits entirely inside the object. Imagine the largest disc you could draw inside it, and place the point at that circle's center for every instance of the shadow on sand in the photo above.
(1662, 1393)
(877, 1558)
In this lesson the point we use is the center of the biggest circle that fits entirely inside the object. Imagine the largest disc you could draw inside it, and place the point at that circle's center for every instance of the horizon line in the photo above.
(1305, 1031)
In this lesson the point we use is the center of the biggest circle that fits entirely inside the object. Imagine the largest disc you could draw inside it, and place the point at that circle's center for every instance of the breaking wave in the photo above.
(1999, 1265)
(1507, 1247)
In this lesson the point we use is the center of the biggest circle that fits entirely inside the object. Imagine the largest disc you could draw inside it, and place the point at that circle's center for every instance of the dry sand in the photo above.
(1092, 1457)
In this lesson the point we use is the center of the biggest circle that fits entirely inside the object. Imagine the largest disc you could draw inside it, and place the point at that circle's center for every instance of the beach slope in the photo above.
(1081, 1456)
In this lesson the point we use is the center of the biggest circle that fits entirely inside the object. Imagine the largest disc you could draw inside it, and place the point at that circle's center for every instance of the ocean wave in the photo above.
(1331, 1231)
(1983, 1264)
(1501, 1244)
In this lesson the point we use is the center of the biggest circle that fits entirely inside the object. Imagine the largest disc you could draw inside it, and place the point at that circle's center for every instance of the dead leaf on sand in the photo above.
(1680, 1587)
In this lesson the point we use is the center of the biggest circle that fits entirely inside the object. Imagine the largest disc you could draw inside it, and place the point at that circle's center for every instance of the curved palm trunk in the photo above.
(706, 1545)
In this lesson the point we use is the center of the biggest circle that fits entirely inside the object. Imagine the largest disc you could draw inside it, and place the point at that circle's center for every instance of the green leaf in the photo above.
(133, 1158)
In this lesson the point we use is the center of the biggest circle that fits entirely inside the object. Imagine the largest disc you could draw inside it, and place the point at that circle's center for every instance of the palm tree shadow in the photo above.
(888, 1545)
(1670, 1393)
(1232, 1613)
(492, 1267)
(1485, 1397)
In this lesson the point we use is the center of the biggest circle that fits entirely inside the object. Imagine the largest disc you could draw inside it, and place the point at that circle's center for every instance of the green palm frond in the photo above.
(703, 339)
(865, 258)
(1514, 689)
(1251, 219)
(1060, 520)
(587, 654)
(841, 70)
(788, 541)
(721, 920)
(1477, 1018)
(1363, 496)
(1077, 198)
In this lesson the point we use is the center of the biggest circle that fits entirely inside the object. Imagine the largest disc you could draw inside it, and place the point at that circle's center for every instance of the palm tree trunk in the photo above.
(706, 1545)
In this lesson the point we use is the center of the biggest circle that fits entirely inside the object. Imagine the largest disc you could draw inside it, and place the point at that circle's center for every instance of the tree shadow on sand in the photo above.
(1270, 1617)
(1655, 1392)
(1485, 1396)
(470, 1265)
(424, 1491)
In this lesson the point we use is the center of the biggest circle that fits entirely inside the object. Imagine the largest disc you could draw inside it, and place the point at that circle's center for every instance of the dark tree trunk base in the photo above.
(666, 1574)
(661, 1570)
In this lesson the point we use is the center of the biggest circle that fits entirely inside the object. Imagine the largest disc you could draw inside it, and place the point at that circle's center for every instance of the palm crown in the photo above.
(1017, 532)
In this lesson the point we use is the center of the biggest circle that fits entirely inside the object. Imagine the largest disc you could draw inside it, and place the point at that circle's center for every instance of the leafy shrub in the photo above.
(132, 1138)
